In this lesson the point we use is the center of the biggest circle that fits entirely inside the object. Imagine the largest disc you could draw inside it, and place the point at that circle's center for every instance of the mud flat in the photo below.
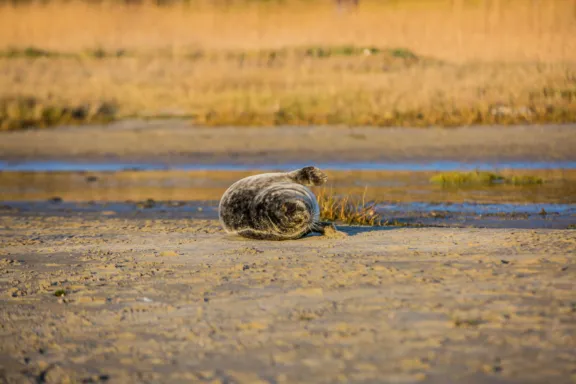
(176, 141)
(108, 299)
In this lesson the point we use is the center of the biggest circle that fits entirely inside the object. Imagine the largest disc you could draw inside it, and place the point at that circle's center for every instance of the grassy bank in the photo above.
(411, 63)
(284, 87)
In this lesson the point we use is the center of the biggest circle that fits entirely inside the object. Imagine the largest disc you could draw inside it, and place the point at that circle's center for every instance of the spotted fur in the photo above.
(273, 206)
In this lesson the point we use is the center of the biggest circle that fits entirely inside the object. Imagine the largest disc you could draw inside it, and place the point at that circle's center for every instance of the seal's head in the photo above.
(309, 176)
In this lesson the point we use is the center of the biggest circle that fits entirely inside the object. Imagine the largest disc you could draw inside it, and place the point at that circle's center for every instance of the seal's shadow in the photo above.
(357, 230)
(353, 230)
(349, 230)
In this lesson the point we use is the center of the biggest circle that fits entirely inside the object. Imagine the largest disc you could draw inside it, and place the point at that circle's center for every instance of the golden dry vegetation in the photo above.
(407, 63)
(352, 210)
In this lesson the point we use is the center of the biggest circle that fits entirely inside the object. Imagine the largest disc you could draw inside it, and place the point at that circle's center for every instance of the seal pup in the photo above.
(274, 206)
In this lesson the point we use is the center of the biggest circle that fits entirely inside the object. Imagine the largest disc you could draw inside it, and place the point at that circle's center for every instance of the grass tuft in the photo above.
(101, 53)
(354, 210)
(29, 112)
(353, 50)
(525, 180)
(29, 52)
(482, 178)
(403, 53)
(351, 210)
(466, 178)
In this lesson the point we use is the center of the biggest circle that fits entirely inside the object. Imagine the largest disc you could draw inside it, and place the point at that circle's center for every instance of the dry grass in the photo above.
(28, 112)
(348, 209)
(407, 63)
(352, 90)
(352, 209)
(454, 30)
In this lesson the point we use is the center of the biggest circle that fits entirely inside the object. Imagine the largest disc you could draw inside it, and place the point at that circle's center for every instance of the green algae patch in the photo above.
(466, 178)
(482, 178)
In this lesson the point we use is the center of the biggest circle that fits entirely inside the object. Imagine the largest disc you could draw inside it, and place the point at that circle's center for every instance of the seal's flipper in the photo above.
(321, 226)
(308, 176)
(329, 230)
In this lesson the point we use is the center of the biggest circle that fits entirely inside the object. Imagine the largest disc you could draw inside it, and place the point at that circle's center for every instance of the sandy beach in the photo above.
(105, 299)
(95, 287)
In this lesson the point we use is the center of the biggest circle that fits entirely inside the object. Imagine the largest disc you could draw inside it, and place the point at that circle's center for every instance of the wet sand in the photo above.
(175, 141)
(151, 300)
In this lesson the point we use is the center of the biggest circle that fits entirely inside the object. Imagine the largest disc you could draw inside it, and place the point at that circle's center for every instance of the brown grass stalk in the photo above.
(348, 209)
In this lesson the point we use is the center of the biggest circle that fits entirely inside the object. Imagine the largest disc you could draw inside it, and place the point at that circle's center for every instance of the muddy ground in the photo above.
(175, 141)
(105, 299)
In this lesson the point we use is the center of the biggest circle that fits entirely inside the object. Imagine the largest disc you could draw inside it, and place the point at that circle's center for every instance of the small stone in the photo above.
(168, 254)
(149, 203)
(55, 375)
(253, 325)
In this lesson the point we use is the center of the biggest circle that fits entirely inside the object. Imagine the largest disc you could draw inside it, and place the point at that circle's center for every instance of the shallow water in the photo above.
(505, 215)
(483, 209)
(417, 214)
(63, 166)
(396, 186)
(121, 189)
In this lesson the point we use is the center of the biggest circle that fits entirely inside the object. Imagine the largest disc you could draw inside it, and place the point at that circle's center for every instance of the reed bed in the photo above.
(453, 30)
(393, 63)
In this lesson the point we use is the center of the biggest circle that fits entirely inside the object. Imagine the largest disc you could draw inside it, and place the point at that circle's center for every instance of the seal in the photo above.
(274, 206)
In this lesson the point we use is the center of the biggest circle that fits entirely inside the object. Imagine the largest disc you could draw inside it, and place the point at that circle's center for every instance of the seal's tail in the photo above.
(308, 176)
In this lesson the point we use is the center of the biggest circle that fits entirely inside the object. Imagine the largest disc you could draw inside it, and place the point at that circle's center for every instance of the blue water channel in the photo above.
(75, 166)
